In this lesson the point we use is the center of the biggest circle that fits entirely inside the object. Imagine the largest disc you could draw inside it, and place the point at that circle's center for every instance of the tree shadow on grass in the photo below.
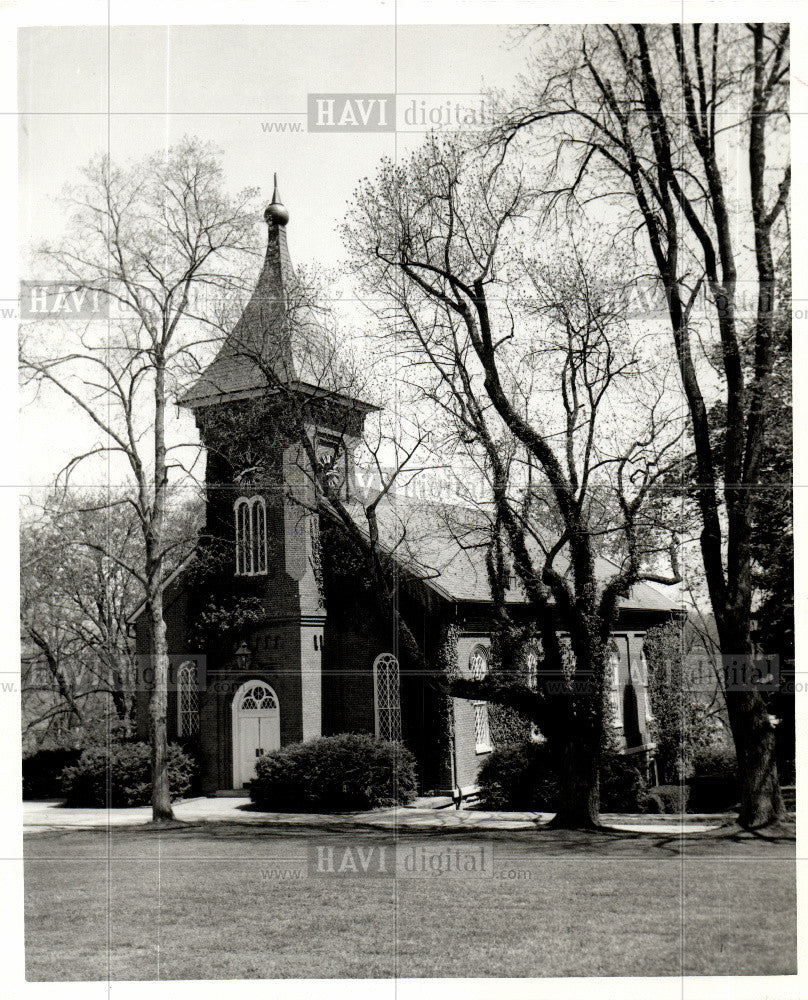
(540, 841)
(728, 840)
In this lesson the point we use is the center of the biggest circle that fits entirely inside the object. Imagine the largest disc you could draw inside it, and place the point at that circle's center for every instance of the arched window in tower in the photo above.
(478, 666)
(332, 464)
(478, 663)
(251, 536)
(387, 693)
(187, 700)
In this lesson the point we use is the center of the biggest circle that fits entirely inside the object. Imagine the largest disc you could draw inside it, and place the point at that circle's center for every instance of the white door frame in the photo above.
(236, 728)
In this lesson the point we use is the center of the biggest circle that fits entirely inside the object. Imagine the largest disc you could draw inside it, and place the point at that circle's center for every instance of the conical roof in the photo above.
(276, 339)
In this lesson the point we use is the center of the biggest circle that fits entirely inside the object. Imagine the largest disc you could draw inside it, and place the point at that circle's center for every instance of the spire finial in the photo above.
(275, 213)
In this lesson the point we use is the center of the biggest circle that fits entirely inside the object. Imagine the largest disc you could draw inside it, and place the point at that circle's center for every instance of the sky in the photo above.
(130, 91)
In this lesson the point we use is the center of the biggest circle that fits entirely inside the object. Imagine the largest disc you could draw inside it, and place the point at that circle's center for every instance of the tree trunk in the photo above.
(753, 734)
(761, 798)
(752, 730)
(579, 791)
(579, 771)
(161, 794)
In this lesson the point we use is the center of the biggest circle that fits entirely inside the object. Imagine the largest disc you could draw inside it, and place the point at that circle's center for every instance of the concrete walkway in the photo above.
(52, 815)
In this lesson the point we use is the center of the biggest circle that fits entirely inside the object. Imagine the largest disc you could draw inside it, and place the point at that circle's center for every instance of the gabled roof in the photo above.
(444, 545)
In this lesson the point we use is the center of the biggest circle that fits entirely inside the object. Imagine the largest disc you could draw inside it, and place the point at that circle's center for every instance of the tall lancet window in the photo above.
(251, 536)
(478, 667)
(187, 700)
(613, 686)
(388, 697)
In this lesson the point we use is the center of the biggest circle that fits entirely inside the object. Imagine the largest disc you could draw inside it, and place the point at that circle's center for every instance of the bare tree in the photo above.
(442, 240)
(78, 665)
(78, 661)
(653, 119)
(162, 245)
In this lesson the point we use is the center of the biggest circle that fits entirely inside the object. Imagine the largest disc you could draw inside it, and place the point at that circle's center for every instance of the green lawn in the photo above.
(224, 902)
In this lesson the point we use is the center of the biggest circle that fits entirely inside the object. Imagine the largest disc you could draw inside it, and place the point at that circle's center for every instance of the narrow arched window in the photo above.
(187, 700)
(478, 663)
(532, 667)
(259, 535)
(387, 696)
(532, 670)
(613, 684)
(645, 682)
(251, 536)
(478, 667)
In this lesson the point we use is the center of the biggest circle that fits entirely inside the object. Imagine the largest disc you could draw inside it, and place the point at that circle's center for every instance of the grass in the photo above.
(223, 901)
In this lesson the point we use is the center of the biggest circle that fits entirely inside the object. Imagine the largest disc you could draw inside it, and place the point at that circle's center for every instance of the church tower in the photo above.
(269, 404)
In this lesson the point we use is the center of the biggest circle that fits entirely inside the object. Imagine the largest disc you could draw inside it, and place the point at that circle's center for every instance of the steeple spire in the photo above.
(276, 340)
(275, 213)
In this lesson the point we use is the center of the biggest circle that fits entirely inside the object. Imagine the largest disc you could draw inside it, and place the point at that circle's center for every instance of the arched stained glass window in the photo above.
(387, 692)
(645, 682)
(613, 685)
(478, 667)
(187, 700)
(532, 667)
(251, 536)
(478, 663)
(532, 658)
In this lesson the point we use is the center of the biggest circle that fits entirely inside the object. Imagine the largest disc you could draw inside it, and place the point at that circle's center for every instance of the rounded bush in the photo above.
(334, 773)
(622, 785)
(41, 772)
(120, 775)
(525, 777)
(714, 784)
(669, 798)
(521, 777)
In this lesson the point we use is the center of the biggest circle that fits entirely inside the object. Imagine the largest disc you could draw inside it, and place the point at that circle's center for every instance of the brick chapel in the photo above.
(309, 659)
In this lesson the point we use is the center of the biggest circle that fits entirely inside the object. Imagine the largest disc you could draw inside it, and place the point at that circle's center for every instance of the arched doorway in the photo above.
(256, 728)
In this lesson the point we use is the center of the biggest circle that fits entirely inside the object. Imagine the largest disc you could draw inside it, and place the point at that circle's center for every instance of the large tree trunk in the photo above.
(579, 770)
(752, 732)
(579, 791)
(761, 798)
(161, 794)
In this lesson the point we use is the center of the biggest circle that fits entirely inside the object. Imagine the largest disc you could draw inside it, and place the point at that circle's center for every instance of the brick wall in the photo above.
(348, 655)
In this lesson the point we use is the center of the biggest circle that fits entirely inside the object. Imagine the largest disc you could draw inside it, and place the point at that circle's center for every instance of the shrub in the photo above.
(684, 723)
(120, 775)
(519, 777)
(41, 772)
(192, 748)
(668, 798)
(623, 787)
(525, 777)
(333, 773)
(714, 785)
